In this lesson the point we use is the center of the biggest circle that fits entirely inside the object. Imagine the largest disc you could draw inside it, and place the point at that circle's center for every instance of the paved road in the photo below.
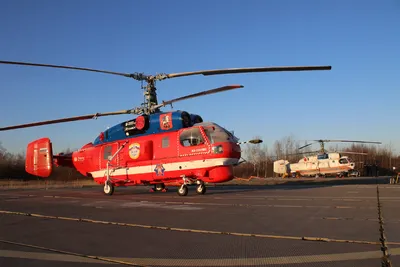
(229, 226)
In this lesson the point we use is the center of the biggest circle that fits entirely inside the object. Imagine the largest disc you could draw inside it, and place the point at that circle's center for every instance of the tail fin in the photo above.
(281, 166)
(39, 158)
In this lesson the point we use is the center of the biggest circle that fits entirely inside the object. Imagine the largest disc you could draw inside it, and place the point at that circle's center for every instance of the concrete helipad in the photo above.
(290, 225)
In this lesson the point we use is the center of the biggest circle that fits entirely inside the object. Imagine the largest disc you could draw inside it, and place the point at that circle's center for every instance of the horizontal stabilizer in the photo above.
(281, 166)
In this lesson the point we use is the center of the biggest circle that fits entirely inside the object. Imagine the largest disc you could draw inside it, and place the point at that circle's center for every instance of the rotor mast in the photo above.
(150, 97)
(150, 103)
(322, 147)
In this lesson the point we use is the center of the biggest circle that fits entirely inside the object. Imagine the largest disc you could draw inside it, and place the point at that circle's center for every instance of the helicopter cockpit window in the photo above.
(216, 134)
(323, 156)
(191, 137)
(343, 161)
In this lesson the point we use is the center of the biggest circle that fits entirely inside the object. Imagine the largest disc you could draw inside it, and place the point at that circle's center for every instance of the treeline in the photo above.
(257, 160)
(12, 166)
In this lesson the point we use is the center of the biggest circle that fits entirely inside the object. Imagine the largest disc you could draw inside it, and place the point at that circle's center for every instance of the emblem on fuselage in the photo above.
(134, 150)
(159, 169)
(166, 121)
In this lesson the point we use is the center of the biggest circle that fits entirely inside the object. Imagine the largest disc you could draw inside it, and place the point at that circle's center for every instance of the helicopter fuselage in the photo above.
(164, 148)
(330, 163)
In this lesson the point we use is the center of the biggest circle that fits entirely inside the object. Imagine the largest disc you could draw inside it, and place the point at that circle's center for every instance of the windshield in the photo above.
(216, 133)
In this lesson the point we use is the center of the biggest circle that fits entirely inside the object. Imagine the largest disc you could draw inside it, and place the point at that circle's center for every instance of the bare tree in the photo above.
(278, 149)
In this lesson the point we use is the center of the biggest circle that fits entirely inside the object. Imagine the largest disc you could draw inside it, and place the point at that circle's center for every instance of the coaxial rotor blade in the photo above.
(136, 76)
(350, 152)
(353, 141)
(207, 92)
(349, 141)
(247, 70)
(305, 146)
(142, 77)
(301, 153)
(77, 118)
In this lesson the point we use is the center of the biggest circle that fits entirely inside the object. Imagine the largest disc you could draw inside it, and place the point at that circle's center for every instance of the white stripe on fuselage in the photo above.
(175, 166)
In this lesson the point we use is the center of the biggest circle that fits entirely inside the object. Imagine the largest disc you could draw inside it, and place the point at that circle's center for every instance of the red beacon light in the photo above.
(101, 136)
(140, 122)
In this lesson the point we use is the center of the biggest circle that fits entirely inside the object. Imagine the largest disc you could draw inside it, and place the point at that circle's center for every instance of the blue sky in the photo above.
(358, 99)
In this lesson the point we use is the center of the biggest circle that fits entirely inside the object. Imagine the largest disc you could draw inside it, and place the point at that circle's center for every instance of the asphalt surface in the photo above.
(228, 226)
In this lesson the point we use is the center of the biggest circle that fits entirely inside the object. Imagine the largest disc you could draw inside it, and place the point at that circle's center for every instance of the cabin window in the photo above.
(343, 161)
(165, 142)
(107, 152)
(191, 137)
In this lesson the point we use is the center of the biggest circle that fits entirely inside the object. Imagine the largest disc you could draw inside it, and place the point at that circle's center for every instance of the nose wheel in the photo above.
(108, 188)
(183, 189)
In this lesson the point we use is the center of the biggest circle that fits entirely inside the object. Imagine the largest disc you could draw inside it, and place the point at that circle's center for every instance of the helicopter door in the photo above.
(107, 151)
(192, 142)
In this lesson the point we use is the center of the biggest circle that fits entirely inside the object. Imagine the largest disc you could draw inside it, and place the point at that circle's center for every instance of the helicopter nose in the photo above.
(352, 164)
(230, 150)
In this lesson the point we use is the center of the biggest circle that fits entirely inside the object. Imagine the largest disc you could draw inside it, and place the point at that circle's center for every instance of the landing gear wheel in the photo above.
(159, 187)
(183, 190)
(201, 189)
(108, 188)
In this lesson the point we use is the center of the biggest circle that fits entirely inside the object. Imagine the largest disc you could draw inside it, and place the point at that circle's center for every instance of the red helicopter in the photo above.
(155, 148)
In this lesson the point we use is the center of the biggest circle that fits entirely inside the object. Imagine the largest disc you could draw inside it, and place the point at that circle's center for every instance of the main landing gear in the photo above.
(201, 188)
(183, 189)
(159, 188)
